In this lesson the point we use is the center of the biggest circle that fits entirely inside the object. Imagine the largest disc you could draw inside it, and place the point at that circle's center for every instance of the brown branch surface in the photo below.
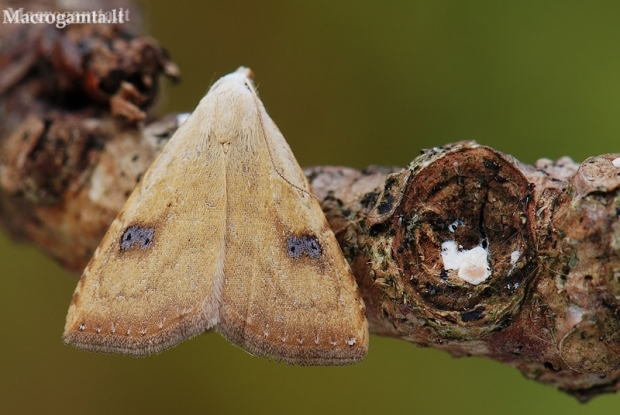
(72, 145)
(550, 306)
(75, 137)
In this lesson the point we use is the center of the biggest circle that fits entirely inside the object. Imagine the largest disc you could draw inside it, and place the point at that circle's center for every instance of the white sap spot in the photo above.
(161, 324)
(351, 341)
(514, 257)
(333, 342)
(113, 329)
(472, 265)
(82, 327)
(452, 227)
(616, 162)
(300, 340)
(143, 331)
(98, 329)
(316, 339)
(265, 333)
(129, 331)
(182, 117)
(456, 167)
(574, 315)
(98, 187)
(283, 338)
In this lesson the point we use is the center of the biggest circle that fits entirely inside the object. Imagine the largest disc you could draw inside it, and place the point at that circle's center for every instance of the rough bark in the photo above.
(76, 136)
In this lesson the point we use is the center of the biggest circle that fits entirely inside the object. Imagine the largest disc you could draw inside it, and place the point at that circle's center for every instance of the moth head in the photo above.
(242, 77)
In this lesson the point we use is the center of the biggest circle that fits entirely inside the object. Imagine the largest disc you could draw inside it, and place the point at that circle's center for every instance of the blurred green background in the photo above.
(348, 83)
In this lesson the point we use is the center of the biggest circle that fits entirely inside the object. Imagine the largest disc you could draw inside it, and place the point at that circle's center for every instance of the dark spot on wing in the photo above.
(312, 246)
(137, 236)
(304, 244)
(295, 248)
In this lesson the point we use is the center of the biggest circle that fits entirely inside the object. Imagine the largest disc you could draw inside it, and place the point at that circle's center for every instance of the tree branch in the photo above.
(465, 250)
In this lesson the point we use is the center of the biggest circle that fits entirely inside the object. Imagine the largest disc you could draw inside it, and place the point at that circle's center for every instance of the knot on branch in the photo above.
(462, 240)
(472, 252)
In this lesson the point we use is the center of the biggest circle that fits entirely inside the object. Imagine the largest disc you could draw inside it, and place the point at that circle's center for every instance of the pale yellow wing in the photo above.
(222, 231)
(288, 292)
(156, 277)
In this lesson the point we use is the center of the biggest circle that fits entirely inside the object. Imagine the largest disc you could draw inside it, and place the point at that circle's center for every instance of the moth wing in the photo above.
(288, 291)
(156, 277)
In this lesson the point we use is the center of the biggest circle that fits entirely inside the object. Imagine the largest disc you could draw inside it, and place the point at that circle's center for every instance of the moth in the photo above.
(222, 233)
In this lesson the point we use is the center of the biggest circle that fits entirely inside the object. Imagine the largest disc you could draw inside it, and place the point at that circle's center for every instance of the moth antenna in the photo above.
(264, 134)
